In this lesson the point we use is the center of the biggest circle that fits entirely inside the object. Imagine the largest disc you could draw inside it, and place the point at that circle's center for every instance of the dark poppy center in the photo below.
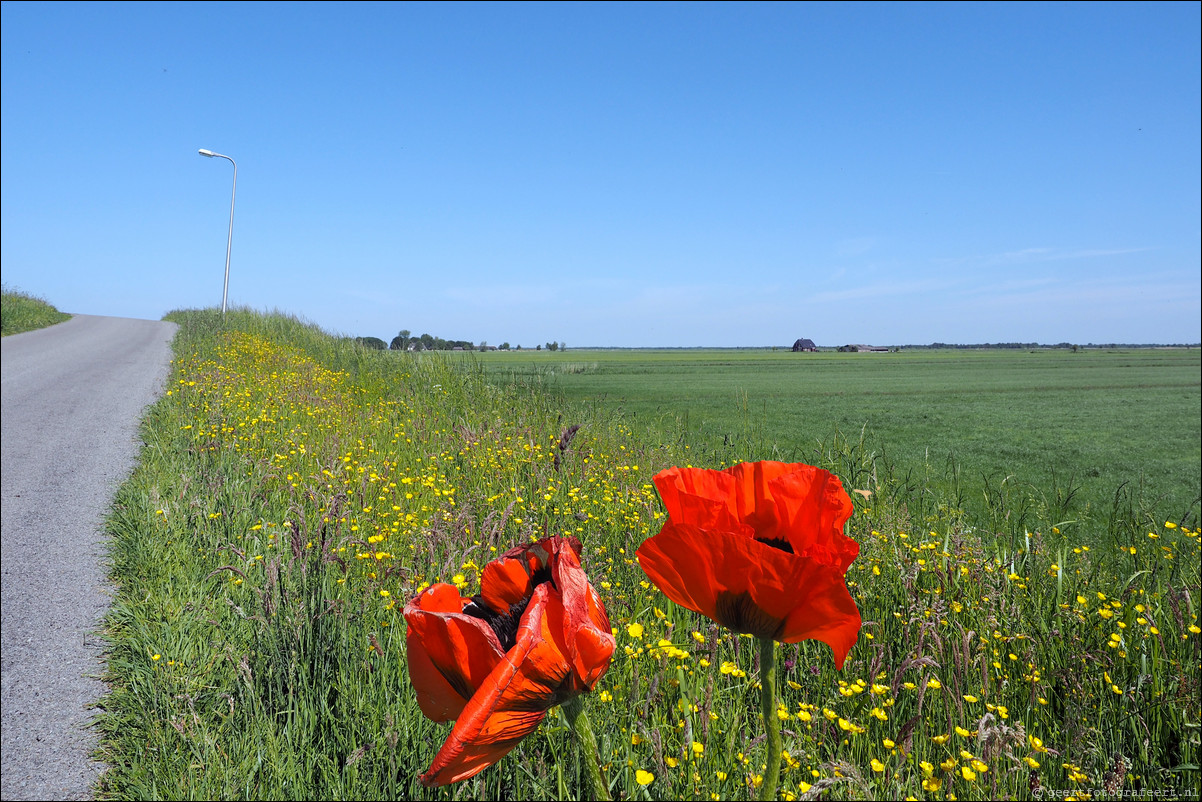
(777, 543)
(737, 611)
(505, 623)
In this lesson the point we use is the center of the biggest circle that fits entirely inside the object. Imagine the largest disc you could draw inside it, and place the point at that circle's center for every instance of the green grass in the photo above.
(20, 312)
(296, 490)
(1000, 433)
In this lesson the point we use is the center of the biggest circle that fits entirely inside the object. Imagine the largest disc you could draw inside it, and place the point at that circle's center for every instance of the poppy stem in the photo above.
(771, 722)
(578, 719)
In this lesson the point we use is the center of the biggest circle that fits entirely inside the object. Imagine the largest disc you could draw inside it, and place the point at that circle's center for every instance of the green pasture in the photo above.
(1004, 431)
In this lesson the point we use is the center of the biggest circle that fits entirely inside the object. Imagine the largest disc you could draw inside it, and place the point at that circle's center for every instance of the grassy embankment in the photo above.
(295, 490)
(20, 312)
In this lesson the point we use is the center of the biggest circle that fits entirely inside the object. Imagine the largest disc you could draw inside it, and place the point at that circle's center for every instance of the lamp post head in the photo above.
(230, 239)
(213, 154)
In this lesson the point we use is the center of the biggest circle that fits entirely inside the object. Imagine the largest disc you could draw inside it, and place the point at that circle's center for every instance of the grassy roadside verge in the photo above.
(21, 311)
(295, 490)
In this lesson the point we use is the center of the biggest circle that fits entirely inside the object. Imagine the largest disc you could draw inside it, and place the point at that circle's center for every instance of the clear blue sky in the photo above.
(615, 174)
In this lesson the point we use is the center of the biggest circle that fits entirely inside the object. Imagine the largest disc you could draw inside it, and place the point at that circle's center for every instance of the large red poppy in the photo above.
(760, 549)
(536, 636)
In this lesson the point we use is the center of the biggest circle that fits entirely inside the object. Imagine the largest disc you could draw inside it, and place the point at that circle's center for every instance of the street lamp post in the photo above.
(230, 241)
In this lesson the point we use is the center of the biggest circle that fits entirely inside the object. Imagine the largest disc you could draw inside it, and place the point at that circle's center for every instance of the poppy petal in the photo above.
(813, 508)
(829, 615)
(754, 501)
(532, 678)
(732, 500)
(505, 582)
(774, 499)
(702, 497)
(450, 654)
(751, 587)
(589, 642)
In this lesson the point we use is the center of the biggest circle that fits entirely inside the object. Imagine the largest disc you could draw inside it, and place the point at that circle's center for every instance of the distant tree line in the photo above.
(405, 341)
(988, 345)
(1065, 346)
(1062, 345)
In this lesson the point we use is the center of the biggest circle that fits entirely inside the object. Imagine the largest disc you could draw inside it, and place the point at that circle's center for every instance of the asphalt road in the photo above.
(72, 398)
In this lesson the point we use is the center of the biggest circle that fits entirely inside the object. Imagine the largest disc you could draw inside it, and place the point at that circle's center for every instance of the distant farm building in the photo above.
(804, 344)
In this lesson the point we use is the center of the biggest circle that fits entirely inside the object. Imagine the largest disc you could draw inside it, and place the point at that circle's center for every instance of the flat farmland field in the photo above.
(1077, 431)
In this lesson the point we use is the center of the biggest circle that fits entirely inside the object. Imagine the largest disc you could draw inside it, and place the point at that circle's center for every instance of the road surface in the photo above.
(72, 398)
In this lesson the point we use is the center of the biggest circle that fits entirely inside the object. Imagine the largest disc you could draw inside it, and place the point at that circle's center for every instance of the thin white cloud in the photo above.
(1092, 253)
(1009, 286)
(1116, 290)
(1033, 255)
(885, 289)
(494, 296)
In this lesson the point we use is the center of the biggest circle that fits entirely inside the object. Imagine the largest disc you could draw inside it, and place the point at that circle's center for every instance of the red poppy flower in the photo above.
(760, 549)
(536, 636)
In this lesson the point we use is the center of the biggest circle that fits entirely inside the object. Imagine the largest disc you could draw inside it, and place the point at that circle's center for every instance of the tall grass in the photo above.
(20, 311)
(296, 489)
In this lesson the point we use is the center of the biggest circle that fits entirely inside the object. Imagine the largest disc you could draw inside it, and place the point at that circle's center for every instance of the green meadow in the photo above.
(296, 490)
(1010, 434)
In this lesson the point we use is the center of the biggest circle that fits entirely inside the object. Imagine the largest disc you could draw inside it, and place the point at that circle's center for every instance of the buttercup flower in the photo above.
(536, 636)
(760, 549)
